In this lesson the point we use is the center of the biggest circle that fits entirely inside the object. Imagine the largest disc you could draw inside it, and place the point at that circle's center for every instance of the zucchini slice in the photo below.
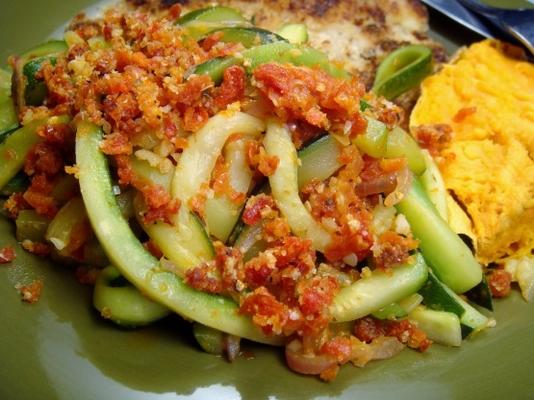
(185, 243)
(434, 185)
(133, 260)
(62, 228)
(440, 326)
(437, 296)
(31, 226)
(294, 33)
(401, 144)
(374, 140)
(284, 186)
(145, 171)
(248, 37)
(222, 213)
(281, 52)
(402, 70)
(399, 309)
(446, 253)
(29, 89)
(18, 183)
(318, 160)
(15, 148)
(120, 302)
(204, 147)
(199, 22)
(368, 295)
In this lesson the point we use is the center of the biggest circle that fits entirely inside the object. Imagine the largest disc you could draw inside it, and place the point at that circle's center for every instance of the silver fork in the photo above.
(518, 23)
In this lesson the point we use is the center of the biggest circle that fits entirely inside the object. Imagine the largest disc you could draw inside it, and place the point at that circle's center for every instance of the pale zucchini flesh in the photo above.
(204, 147)
(440, 326)
(284, 186)
(368, 295)
(446, 253)
(186, 243)
(319, 160)
(434, 185)
(124, 304)
(222, 213)
(134, 262)
(438, 296)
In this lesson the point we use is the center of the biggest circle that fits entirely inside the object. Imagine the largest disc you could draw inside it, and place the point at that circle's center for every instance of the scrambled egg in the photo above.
(487, 98)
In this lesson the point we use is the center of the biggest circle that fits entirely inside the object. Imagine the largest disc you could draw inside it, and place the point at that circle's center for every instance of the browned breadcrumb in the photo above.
(38, 248)
(7, 254)
(31, 293)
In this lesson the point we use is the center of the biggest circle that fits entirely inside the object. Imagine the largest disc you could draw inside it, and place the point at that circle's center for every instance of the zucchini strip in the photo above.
(133, 260)
(319, 160)
(448, 256)
(186, 243)
(222, 212)
(14, 150)
(440, 326)
(434, 186)
(198, 159)
(439, 296)
(119, 301)
(284, 186)
(368, 295)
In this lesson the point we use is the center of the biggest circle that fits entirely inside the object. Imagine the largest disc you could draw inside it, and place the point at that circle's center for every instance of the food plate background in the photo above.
(60, 349)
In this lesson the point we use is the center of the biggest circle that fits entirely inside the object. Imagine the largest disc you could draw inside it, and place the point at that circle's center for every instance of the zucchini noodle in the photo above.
(240, 179)
(284, 184)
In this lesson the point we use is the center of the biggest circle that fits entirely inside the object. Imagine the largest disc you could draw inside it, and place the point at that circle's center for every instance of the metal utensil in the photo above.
(518, 23)
(462, 15)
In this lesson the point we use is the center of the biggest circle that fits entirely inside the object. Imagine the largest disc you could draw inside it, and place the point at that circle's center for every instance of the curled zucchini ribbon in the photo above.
(134, 262)
(186, 243)
(284, 186)
(402, 70)
(122, 303)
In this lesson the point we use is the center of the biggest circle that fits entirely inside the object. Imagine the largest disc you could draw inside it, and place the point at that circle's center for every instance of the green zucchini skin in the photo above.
(211, 14)
(318, 160)
(294, 33)
(134, 262)
(437, 296)
(122, 303)
(209, 339)
(402, 70)
(481, 294)
(401, 144)
(368, 295)
(284, 187)
(27, 88)
(15, 148)
(248, 37)
(440, 326)
(281, 52)
(448, 256)
(198, 23)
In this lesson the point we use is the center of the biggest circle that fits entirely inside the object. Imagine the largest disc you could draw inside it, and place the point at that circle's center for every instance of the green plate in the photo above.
(59, 348)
